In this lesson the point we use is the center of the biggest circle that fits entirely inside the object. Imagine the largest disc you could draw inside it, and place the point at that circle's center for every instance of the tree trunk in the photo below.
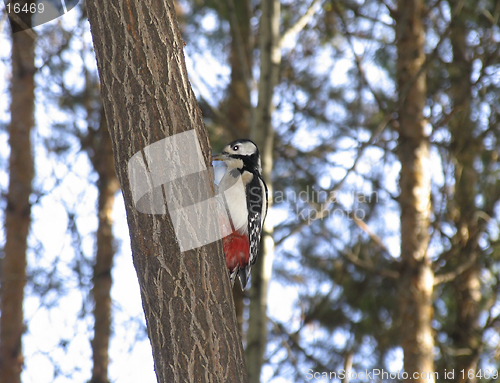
(18, 212)
(417, 277)
(466, 334)
(107, 185)
(147, 98)
(263, 134)
(237, 105)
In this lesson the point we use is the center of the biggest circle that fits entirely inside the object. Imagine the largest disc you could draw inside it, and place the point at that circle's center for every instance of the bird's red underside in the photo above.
(236, 248)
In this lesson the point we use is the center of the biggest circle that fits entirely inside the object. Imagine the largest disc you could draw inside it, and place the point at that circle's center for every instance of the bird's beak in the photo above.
(219, 157)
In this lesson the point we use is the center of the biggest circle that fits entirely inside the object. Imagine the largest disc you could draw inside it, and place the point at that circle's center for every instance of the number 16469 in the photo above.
(26, 8)
(487, 374)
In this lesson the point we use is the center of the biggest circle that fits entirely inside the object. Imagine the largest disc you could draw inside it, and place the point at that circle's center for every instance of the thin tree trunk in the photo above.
(237, 105)
(147, 98)
(18, 212)
(99, 142)
(417, 277)
(466, 335)
(263, 134)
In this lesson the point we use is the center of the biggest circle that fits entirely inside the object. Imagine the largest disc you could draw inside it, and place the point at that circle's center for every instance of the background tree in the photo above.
(417, 276)
(101, 154)
(263, 134)
(18, 206)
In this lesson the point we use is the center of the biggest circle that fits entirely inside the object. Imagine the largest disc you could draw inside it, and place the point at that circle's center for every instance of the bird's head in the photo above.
(242, 155)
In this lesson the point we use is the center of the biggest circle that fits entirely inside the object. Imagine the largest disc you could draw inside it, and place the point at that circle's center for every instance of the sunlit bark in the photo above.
(263, 134)
(417, 276)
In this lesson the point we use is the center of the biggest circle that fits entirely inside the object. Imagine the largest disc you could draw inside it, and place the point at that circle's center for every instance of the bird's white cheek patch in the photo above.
(233, 163)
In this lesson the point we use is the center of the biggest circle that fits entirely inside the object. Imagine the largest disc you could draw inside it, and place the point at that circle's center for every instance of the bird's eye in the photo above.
(236, 147)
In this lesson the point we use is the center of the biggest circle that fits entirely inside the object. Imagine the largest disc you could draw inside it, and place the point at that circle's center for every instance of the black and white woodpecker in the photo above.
(245, 204)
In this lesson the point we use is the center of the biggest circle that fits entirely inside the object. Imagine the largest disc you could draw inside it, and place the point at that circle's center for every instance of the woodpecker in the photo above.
(245, 205)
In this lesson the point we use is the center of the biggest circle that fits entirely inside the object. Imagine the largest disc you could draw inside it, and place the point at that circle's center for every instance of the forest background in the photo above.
(381, 154)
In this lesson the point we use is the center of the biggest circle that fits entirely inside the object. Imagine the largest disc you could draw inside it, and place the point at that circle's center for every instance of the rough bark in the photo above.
(263, 135)
(18, 212)
(146, 94)
(466, 147)
(99, 143)
(417, 277)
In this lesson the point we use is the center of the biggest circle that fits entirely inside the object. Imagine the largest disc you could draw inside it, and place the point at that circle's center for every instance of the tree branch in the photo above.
(448, 277)
(368, 266)
(300, 24)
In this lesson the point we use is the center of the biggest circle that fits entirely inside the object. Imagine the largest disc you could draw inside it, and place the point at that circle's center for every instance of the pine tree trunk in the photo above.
(237, 105)
(417, 277)
(466, 148)
(18, 211)
(263, 135)
(147, 97)
(107, 186)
